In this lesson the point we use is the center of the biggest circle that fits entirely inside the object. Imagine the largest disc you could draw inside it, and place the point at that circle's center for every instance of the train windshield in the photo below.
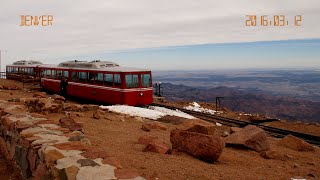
(146, 80)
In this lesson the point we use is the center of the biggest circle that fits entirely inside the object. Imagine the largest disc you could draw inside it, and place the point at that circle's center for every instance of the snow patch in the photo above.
(135, 111)
(196, 107)
(154, 112)
(172, 112)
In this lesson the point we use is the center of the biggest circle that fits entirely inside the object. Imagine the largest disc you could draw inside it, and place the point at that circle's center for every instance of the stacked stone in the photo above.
(44, 149)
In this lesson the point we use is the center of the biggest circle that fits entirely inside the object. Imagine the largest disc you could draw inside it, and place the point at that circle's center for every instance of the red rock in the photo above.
(58, 97)
(3, 148)
(251, 136)
(295, 143)
(94, 153)
(205, 147)
(47, 122)
(68, 122)
(273, 155)
(146, 139)
(40, 172)
(12, 149)
(71, 172)
(157, 146)
(234, 129)
(198, 126)
(6, 121)
(126, 173)
(153, 125)
(32, 160)
(36, 115)
(73, 107)
(21, 126)
(73, 145)
(40, 95)
(96, 115)
(52, 156)
(113, 161)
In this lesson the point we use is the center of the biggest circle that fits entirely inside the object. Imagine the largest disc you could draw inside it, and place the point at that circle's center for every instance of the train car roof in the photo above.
(111, 69)
(29, 63)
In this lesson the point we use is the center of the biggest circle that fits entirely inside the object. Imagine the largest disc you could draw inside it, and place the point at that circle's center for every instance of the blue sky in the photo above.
(266, 54)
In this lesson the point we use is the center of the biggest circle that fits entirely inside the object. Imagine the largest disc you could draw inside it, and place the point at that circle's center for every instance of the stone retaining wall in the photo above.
(42, 149)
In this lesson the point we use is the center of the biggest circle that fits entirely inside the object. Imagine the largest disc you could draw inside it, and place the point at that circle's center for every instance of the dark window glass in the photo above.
(82, 77)
(108, 80)
(59, 74)
(99, 79)
(132, 80)
(66, 74)
(48, 73)
(91, 77)
(53, 74)
(75, 76)
(117, 80)
(146, 80)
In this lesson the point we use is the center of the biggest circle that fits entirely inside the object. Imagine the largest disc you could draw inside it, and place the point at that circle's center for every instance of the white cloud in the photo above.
(85, 27)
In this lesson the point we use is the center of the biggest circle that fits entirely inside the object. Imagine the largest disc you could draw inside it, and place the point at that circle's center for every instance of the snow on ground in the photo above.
(171, 112)
(196, 107)
(153, 113)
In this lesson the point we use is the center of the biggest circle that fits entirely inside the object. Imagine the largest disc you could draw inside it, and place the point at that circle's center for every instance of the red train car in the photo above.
(100, 81)
(23, 70)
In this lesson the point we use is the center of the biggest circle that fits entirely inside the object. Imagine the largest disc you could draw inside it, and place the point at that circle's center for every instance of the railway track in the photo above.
(275, 132)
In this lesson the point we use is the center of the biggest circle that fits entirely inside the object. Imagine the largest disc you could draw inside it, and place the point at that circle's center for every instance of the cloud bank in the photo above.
(86, 27)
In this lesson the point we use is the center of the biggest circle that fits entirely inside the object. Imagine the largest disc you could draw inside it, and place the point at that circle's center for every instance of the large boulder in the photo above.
(205, 147)
(295, 143)
(198, 126)
(251, 136)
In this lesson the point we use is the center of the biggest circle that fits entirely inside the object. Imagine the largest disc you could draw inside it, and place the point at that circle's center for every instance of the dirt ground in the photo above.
(118, 134)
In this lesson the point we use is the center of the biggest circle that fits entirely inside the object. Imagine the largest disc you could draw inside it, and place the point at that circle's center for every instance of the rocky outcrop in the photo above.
(40, 148)
(251, 137)
(295, 143)
(205, 147)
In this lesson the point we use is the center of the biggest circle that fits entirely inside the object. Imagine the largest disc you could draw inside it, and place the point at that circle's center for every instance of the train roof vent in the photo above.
(95, 64)
(24, 62)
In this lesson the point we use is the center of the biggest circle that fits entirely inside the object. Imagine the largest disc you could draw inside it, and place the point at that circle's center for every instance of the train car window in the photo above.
(53, 74)
(82, 77)
(117, 80)
(59, 74)
(42, 72)
(91, 77)
(48, 73)
(75, 76)
(146, 80)
(66, 74)
(108, 79)
(99, 79)
(132, 80)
